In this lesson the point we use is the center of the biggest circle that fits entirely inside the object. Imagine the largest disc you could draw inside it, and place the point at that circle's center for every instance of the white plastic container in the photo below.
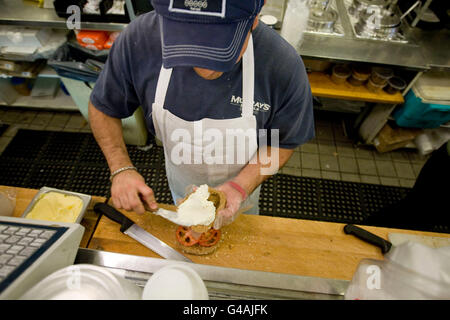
(83, 282)
(175, 282)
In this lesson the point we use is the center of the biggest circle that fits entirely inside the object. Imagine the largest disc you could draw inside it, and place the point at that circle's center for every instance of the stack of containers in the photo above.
(427, 104)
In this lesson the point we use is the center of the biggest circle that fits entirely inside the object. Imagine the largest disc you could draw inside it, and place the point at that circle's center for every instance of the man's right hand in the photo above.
(129, 192)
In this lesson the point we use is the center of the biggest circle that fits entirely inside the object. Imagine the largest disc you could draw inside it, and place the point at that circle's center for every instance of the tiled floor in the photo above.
(331, 155)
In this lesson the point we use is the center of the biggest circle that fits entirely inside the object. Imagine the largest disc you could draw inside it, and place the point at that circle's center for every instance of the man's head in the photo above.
(208, 34)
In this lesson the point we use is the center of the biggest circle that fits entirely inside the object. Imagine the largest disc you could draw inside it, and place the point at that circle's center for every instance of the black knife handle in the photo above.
(114, 215)
(369, 237)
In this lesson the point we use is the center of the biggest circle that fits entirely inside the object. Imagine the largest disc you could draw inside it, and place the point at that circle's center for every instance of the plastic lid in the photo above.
(269, 19)
(175, 282)
(434, 86)
(397, 83)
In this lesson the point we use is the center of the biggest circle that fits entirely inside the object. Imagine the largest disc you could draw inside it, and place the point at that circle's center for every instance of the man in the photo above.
(209, 67)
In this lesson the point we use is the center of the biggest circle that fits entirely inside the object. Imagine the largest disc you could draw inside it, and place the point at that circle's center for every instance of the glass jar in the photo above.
(380, 76)
(394, 85)
(360, 74)
(340, 73)
(373, 87)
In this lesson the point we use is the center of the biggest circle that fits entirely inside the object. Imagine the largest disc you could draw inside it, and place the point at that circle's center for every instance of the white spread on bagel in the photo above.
(197, 209)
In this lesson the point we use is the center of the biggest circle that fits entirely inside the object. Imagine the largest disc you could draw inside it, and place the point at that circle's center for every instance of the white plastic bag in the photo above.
(409, 271)
(295, 22)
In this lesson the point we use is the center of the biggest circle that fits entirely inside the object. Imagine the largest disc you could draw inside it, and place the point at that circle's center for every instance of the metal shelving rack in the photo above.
(27, 13)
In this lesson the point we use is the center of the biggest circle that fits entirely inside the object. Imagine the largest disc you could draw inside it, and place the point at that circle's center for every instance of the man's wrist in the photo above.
(122, 169)
(238, 188)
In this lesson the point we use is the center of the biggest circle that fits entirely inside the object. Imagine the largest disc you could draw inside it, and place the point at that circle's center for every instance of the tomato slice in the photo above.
(185, 237)
(209, 238)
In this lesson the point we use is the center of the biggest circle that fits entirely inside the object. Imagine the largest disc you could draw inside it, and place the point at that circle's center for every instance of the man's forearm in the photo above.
(108, 133)
(250, 177)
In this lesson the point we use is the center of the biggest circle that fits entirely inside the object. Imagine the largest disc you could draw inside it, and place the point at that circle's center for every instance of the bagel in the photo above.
(218, 198)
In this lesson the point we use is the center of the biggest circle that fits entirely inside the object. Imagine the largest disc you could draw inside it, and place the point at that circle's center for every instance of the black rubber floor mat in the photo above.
(73, 161)
(327, 200)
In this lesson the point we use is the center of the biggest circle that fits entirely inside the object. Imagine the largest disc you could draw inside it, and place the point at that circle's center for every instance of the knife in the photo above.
(132, 230)
(369, 237)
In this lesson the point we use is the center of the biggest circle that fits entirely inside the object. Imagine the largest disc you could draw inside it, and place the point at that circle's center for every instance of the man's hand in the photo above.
(129, 192)
(234, 200)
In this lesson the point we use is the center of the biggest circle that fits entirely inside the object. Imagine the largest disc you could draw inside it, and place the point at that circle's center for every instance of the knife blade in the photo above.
(132, 230)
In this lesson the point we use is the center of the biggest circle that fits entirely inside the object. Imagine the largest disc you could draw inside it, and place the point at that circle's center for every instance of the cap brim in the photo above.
(210, 46)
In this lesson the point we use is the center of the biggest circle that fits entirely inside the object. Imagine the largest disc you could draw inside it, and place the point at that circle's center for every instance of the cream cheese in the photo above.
(195, 210)
(55, 206)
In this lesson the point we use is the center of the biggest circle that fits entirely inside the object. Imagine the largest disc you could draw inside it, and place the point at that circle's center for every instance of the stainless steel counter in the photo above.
(435, 46)
(222, 283)
(351, 49)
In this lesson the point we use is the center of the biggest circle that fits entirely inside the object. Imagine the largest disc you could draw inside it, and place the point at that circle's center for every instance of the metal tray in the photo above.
(84, 197)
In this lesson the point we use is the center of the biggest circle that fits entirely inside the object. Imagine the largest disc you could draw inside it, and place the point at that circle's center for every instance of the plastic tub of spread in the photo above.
(52, 204)
(380, 75)
(360, 74)
(340, 73)
(394, 85)
(373, 87)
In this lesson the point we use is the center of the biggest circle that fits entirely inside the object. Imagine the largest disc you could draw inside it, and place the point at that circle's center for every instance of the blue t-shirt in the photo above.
(282, 94)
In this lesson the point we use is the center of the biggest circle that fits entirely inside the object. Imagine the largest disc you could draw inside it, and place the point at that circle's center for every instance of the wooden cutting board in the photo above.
(281, 245)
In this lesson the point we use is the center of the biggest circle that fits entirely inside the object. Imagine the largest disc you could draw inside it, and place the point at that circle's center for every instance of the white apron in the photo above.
(206, 155)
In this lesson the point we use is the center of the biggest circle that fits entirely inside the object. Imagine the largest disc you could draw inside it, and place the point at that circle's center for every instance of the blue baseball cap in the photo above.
(204, 33)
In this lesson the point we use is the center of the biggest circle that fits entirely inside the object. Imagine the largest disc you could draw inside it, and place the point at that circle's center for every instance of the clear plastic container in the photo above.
(394, 85)
(83, 282)
(373, 87)
(380, 76)
(360, 74)
(340, 74)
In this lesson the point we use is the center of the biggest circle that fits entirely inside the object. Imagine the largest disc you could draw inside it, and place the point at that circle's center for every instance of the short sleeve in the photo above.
(114, 93)
(294, 117)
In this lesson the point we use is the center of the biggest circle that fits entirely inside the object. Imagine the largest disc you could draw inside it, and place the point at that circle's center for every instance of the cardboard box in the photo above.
(392, 138)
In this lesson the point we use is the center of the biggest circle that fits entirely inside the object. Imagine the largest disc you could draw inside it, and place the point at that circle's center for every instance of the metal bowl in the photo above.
(384, 25)
(320, 20)
(361, 6)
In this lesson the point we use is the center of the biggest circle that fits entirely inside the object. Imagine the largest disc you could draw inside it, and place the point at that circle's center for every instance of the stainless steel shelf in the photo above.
(424, 50)
(27, 13)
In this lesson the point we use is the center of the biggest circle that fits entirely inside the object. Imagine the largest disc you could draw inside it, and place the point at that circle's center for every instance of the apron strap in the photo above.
(248, 80)
(161, 87)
